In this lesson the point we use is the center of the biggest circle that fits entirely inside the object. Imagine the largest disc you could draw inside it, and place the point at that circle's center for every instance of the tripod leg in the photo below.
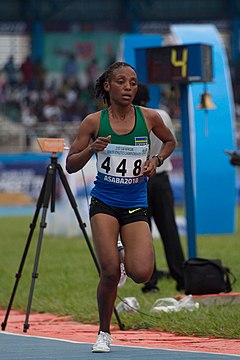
(46, 198)
(19, 273)
(83, 228)
(75, 208)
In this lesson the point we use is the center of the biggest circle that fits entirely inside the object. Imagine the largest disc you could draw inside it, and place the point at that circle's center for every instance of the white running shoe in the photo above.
(102, 344)
(123, 276)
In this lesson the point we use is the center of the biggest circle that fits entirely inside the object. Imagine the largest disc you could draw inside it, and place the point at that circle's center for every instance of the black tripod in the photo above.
(48, 192)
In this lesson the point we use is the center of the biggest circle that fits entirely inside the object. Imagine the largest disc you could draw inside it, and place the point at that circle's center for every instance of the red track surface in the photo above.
(46, 325)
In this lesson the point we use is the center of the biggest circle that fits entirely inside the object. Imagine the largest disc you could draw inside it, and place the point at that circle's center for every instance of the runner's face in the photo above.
(123, 85)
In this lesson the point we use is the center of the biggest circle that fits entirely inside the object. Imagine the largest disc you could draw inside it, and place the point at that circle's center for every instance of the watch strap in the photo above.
(160, 159)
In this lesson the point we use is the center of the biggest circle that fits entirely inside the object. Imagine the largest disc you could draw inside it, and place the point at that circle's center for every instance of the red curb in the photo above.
(51, 326)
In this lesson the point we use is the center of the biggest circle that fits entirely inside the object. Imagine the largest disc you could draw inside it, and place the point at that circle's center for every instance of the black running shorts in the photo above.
(124, 216)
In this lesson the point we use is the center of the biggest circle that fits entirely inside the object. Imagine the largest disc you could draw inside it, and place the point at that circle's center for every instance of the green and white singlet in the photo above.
(119, 180)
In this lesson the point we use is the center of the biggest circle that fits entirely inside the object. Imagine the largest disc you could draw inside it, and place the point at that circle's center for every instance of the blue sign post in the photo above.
(188, 173)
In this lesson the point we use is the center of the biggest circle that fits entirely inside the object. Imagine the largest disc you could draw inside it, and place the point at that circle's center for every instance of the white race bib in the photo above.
(122, 161)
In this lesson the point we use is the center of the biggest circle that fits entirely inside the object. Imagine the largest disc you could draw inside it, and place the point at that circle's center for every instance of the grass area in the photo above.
(68, 279)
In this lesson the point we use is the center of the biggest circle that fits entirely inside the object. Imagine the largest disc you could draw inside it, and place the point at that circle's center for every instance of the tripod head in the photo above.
(53, 145)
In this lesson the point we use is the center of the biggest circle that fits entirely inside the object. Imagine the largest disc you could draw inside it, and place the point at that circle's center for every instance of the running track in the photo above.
(51, 337)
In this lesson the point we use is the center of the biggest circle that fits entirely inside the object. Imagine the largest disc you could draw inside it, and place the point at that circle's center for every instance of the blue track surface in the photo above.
(22, 347)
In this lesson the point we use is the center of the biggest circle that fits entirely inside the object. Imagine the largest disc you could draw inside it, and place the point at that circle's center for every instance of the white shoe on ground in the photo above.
(102, 344)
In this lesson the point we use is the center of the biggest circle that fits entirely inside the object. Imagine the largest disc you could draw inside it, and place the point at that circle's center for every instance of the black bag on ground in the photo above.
(204, 276)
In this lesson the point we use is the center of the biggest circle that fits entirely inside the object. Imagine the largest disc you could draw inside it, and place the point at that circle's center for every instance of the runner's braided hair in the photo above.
(106, 76)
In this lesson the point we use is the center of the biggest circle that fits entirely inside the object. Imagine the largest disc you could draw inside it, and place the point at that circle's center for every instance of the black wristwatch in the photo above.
(160, 159)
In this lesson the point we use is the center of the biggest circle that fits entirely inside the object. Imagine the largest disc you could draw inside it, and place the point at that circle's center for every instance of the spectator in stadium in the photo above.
(92, 71)
(161, 205)
(27, 70)
(11, 71)
(119, 197)
(39, 74)
(70, 69)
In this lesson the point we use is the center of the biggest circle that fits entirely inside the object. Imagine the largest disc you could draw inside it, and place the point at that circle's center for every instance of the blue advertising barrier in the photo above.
(23, 173)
